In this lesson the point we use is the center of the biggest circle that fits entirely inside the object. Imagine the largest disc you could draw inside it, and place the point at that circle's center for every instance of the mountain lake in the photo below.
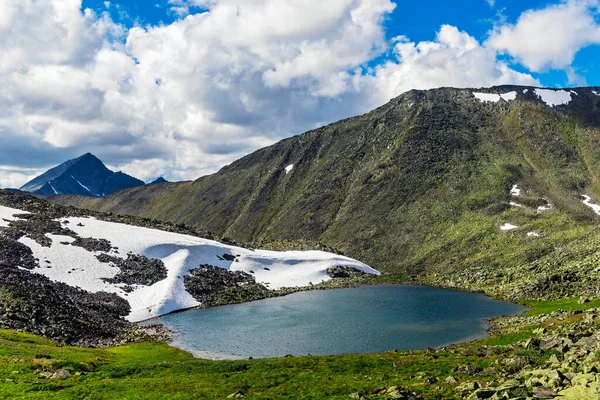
(366, 319)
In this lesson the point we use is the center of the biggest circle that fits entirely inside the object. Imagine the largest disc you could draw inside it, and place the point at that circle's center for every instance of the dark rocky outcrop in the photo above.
(33, 303)
(135, 269)
(345, 272)
(91, 244)
(15, 254)
(36, 227)
(213, 286)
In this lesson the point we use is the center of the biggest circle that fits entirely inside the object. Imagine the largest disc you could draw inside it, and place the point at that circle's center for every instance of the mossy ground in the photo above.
(154, 370)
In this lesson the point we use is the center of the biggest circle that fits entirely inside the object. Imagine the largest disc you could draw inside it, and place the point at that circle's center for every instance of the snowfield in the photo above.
(494, 98)
(78, 267)
(555, 97)
(6, 215)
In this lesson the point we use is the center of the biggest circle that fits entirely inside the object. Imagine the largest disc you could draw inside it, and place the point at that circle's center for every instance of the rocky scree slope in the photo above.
(421, 185)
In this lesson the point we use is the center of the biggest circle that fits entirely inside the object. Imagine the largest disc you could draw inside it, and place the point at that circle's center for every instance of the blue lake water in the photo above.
(367, 319)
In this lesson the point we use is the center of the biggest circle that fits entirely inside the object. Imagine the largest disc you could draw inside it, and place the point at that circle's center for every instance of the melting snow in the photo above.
(541, 209)
(554, 97)
(596, 93)
(180, 254)
(515, 191)
(587, 202)
(7, 214)
(492, 97)
(289, 168)
(533, 234)
(508, 227)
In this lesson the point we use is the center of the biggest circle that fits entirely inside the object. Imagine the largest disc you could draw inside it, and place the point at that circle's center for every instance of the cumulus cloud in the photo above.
(454, 59)
(549, 37)
(184, 99)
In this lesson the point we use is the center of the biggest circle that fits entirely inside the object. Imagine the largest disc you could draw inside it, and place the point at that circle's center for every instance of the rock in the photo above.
(540, 331)
(467, 370)
(515, 364)
(532, 344)
(483, 393)
(490, 371)
(450, 380)
(467, 387)
(541, 393)
(236, 395)
(583, 300)
(511, 390)
(355, 395)
(554, 360)
(555, 378)
(45, 375)
(61, 374)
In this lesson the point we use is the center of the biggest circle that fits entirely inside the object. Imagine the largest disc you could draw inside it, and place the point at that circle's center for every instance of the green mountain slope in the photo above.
(420, 185)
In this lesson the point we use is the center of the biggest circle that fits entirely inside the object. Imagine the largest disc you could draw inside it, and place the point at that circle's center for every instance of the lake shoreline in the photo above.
(485, 323)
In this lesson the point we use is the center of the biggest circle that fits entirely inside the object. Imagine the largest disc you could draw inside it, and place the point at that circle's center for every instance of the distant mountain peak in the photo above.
(85, 175)
(158, 180)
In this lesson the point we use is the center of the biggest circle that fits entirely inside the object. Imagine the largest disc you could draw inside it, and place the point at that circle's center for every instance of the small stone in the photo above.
(236, 395)
(466, 387)
(450, 380)
(583, 300)
(483, 393)
(61, 374)
(45, 375)
(541, 393)
(539, 331)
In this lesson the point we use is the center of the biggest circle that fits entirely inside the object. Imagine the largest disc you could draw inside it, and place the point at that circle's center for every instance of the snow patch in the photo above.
(587, 200)
(596, 93)
(541, 209)
(509, 96)
(289, 168)
(53, 189)
(515, 191)
(82, 185)
(533, 234)
(7, 215)
(494, 98)
(508, 227)
(513, 204)
(554, 97)
(525, 91)
(78, 267)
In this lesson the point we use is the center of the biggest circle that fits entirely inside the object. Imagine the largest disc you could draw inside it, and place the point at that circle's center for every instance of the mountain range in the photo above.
(85, 175)
(427, 183)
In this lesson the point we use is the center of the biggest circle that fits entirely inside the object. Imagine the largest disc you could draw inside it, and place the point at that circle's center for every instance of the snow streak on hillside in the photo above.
(78, 267)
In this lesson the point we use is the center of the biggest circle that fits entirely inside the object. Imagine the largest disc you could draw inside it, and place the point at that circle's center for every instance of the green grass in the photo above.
(546, 307)
(157, 371)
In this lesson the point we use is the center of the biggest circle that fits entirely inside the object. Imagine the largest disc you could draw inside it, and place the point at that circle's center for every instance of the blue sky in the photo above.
(419, 21)
(181, 88)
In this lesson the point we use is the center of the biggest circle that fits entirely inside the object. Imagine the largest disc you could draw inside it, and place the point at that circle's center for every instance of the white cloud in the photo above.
(453, 59)
(549, 37)
(184, 99)
(11, 177)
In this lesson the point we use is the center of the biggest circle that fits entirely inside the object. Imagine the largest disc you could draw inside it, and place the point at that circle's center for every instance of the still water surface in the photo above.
(367, 319)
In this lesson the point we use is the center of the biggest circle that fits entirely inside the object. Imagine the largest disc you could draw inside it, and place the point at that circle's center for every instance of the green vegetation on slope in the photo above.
(418, 186)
